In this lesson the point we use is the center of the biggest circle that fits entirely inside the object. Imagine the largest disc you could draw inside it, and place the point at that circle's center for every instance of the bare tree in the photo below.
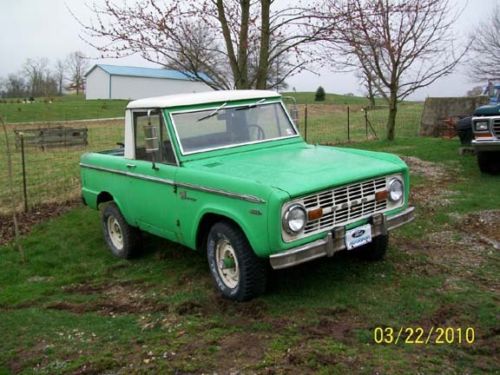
(404, 45)
(77, 65)
(15, 86)
(475, 91)
(222, 38)
(485, 48)
(59, 74)
(39, 78)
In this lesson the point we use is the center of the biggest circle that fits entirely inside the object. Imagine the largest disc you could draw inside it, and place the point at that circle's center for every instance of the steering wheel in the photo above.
(260, 132)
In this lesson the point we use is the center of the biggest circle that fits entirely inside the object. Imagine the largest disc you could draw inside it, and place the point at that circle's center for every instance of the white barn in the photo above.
(130, 82)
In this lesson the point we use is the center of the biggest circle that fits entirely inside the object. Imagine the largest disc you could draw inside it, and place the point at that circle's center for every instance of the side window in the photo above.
(166, 153)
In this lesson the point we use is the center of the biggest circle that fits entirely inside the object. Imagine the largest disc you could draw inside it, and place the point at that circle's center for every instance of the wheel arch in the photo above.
(105, 197)
(207, 220)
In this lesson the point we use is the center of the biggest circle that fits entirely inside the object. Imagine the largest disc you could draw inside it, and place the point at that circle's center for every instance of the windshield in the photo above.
(225, 126)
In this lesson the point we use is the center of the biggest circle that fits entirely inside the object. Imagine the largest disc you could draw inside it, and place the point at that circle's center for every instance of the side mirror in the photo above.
(151, 139)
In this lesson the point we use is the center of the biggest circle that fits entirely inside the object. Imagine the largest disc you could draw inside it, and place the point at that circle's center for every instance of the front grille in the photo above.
(345, 204)
(496, 128)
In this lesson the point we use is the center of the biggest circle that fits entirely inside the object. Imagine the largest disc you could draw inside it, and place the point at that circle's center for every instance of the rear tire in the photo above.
(376, 250)
(121, 238)
(237, 272)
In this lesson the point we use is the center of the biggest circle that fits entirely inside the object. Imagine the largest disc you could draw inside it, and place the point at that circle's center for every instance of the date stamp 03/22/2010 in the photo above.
(422, 336)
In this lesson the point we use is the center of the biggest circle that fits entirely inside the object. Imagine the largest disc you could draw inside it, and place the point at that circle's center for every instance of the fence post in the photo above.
(348, 125)
(305, 123)
(23, 164)
(366, 121)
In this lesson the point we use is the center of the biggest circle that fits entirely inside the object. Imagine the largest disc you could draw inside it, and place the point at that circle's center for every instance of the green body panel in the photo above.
(247, 184)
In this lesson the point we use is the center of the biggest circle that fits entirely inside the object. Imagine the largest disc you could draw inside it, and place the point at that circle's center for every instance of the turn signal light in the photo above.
(315, 214)
(381, 195)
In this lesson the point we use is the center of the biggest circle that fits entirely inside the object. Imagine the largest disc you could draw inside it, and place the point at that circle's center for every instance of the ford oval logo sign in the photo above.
(358, 233)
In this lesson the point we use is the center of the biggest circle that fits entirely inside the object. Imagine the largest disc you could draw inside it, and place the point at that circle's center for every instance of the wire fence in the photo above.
(45, 160)
(333, 124)
(45, 156)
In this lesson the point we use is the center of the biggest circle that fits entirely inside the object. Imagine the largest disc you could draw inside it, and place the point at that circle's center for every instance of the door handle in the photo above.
(131, 165)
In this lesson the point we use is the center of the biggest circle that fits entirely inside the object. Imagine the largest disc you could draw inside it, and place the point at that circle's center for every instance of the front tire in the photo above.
(237, 272)
(121, 238)
(489, 161)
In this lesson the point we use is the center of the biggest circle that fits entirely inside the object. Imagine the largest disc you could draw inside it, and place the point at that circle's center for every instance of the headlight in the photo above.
(395, 190)
(294, 219)
(481, 125)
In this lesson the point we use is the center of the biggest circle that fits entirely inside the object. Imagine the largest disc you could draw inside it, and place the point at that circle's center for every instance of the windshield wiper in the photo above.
(213, 113)
(253, 105)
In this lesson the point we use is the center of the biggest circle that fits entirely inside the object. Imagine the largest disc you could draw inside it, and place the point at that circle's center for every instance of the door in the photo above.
(152, 197)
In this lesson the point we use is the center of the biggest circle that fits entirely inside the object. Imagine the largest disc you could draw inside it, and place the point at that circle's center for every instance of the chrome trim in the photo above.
(406, 216)
(245, 197)
(389, 206)
(335, 241)
(284, 220)
(129, 174)
(486, 145)
(272, 101)
(165, 123)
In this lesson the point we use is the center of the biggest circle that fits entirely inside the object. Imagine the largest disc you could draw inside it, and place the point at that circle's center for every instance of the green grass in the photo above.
(73, 307)
(68, 107)
(308, 98)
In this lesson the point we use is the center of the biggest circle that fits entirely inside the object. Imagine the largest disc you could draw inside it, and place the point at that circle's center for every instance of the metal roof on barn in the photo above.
(136, 71)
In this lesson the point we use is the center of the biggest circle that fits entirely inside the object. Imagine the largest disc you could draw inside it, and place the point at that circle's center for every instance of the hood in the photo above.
(301, 168)
(488, 110)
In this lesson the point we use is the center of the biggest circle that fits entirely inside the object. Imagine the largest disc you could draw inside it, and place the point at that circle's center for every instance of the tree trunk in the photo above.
(391, 121)
(242, 79)
(371, 96)
(226, 32)
(265, 35)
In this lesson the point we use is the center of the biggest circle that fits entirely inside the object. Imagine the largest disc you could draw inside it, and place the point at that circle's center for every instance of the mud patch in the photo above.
(239, 348)
(27, 220)
(485, 224)
(123, 298)
(340, 329)
(251, 310)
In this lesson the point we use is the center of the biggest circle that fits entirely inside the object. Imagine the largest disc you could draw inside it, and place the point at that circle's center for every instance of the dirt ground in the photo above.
(36, 215)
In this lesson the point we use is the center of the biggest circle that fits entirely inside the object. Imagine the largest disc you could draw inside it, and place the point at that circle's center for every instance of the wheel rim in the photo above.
(227, 263)
(115, 232)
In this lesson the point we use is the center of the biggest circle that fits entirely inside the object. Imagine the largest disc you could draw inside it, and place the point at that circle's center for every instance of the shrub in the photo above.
(320, 94)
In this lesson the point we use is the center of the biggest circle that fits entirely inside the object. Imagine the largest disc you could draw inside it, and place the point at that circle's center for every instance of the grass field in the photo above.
(337, 99)
(68, 107)
(73, 107)
(73, 308)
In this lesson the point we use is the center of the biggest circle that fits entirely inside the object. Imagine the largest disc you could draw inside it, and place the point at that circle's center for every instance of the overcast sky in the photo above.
(35, 28)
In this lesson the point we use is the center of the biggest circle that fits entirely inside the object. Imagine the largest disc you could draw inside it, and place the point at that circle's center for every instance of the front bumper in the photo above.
(486, 145)
(335, 241)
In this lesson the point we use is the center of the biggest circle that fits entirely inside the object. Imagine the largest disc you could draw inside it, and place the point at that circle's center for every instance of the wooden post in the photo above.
(305, 123)
(348, 125)
(23, 164)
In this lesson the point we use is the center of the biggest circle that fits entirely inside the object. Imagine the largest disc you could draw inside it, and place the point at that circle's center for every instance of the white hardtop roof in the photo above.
(201, 98)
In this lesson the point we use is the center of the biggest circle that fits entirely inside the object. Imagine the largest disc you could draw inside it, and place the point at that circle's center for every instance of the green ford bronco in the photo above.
(226, 172)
